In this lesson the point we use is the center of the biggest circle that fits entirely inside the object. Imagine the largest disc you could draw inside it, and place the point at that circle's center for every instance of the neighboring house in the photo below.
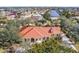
(36, 16)
(11, 16)
(67, 42)
(54, 15)
(38, 34)
(25, 15)
(28, 14)
(75, 15)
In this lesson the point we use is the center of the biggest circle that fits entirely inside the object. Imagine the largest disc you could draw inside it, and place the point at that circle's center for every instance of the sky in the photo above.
(59, 3)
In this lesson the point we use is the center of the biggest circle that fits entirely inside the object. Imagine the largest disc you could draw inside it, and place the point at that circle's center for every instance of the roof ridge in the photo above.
(27, 31)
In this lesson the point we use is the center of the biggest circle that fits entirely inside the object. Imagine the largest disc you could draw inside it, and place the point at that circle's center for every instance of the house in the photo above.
(36, 16)
(25, 15)
(38, 34)
(67, 42)
(54, 15)
(75, 15)
(11, 16)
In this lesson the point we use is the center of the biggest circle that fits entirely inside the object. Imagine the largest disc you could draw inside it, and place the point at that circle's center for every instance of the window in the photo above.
(47, 37)
(32, 39)
(43, 37)
(25, 40)
(57, 34)
(36, 39)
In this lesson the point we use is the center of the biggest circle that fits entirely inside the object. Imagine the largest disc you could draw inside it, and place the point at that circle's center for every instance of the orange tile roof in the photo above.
(39, 32)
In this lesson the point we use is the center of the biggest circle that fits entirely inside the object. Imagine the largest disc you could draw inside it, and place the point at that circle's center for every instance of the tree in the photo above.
(23, 22)
(47, 16)
(51, 45)
(66, 13)
(70, 27)
(7, 38)
(9, 35)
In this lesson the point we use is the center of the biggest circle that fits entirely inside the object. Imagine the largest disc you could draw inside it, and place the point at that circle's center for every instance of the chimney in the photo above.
(50, 30)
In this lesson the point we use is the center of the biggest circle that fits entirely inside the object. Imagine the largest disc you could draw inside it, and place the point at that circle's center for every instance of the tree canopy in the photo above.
(51, 45)
(9, 35)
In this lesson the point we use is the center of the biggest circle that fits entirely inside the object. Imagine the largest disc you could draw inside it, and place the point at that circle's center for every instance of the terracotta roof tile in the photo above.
(39, 32)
